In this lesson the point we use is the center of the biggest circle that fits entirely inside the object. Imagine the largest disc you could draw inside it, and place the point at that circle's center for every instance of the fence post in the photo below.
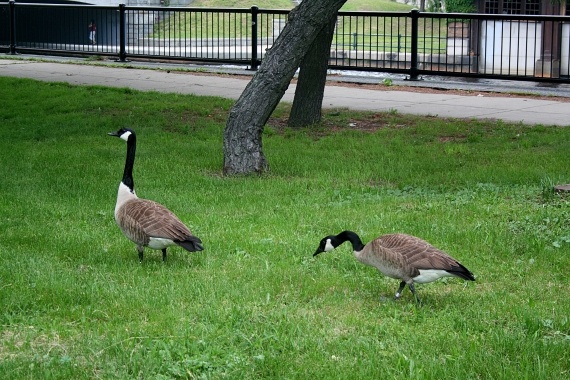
(122, 34)
(254, 13)
(414, 58)
(12, 6)
(355, 41)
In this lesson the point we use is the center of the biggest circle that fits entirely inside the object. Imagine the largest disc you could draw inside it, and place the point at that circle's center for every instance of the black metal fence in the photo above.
(477, 45)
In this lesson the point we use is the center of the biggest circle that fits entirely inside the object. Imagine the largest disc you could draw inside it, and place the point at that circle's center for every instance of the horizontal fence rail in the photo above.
(414, 43)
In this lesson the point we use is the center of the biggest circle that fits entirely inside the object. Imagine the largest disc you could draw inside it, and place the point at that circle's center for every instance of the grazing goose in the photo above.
(145, 222)
(400, 256)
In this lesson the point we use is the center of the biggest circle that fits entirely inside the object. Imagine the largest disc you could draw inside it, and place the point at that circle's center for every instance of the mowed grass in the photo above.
(350, 5)
(75, 303)
(373, 33)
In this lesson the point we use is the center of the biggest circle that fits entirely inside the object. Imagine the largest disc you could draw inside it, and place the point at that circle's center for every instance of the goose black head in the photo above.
(327, 244)
(123, 133)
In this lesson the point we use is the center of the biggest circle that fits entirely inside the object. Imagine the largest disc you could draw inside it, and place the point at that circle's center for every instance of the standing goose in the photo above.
(400, 256)
(145, 222)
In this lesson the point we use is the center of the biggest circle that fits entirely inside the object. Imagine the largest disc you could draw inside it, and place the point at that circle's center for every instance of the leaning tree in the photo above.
(310, 90)
(243, 152)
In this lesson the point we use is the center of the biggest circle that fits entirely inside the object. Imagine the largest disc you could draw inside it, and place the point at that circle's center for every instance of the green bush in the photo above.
(434, 6)
(460, 6)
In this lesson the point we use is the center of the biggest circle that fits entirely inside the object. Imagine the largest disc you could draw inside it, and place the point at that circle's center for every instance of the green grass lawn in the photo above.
(363, 32)
(350, 5)
(369, 33)
(265, 4)
(75, 303)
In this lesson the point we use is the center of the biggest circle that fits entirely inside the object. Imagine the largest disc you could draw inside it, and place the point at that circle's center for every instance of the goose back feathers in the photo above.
(400, 256)
(148, 223)
(409, 257)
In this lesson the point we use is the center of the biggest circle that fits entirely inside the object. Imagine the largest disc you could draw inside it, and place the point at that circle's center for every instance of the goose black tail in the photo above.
(462, 272)
(191, 244)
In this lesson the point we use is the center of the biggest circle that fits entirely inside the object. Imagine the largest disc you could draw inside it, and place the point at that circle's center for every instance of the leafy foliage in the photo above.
(460, 6)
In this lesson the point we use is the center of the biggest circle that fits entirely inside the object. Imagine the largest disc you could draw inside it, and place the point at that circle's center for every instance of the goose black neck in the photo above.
(353, 238)
(129, 162)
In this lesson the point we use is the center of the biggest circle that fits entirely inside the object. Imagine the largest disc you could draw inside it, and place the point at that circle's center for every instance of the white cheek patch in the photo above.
(328, 246)
(125, 136)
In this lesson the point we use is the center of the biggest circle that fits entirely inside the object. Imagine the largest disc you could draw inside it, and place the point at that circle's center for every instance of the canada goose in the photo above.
(400, 256)
(145, 222)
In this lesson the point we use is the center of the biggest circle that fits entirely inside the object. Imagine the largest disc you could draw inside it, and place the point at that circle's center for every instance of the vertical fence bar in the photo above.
(350, 55)
(543, 55)
(415, 14)
(386, 40)
(239, 34)
(122, 34)
(254, 13)
(218, 33)
(554, 56)
(12, 27)
(559, 49)
(377, 40)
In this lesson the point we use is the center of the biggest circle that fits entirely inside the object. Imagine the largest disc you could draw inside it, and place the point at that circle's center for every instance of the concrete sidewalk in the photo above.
(481, 106)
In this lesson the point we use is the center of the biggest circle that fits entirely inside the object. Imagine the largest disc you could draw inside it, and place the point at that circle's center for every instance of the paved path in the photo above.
(524, 110)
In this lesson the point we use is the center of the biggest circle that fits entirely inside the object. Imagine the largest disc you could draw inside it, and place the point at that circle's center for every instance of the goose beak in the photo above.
(115, 134)
(319, 250)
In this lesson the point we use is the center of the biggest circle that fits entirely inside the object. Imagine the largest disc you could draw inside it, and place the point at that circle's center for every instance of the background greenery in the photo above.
(364, 33)
(75, 303)
(350, 5)
(460, 6)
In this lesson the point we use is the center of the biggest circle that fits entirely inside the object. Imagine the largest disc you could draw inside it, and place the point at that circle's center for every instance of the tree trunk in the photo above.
(243, 152)
(310, 89)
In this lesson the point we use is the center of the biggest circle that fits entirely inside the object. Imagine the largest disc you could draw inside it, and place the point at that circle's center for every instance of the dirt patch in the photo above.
(335, 120)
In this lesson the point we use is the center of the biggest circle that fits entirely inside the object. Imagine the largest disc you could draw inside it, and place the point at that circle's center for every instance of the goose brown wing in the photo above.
(418, 253)
(156, 220)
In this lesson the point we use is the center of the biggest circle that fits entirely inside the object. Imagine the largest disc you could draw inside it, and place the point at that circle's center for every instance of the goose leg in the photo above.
(140, 249)
(413, 289)
(400, 290)
(164, 254)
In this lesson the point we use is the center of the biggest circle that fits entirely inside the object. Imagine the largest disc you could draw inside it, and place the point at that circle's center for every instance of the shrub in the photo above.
(460, 6)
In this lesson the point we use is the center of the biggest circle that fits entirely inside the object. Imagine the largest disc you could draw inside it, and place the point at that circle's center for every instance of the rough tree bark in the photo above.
(309, 93)
(243, 152)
